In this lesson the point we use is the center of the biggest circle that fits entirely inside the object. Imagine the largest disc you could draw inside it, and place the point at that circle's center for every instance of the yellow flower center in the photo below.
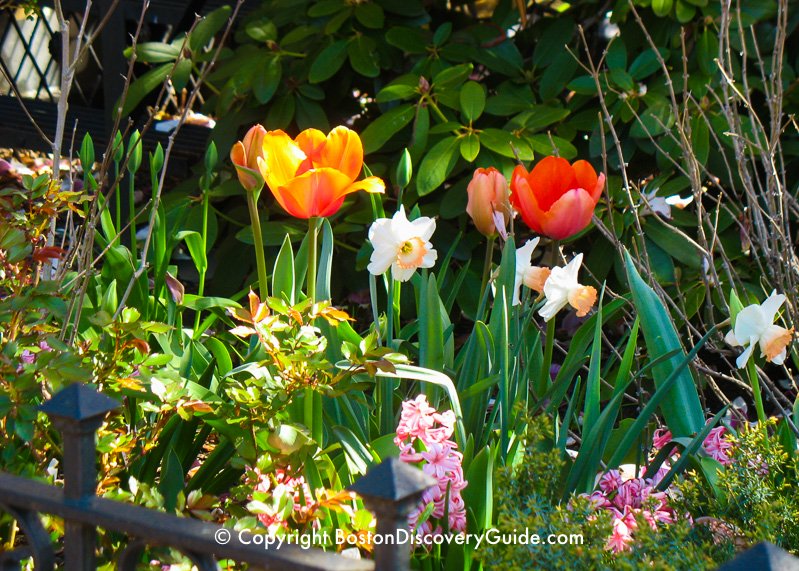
(411, 253)
(582, 299)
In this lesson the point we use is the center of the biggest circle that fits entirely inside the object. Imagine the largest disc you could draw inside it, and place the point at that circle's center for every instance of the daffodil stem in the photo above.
(758, 396)
(258, 242)
(385, 387)
(544, 380)
(487, 265)
(311, 278)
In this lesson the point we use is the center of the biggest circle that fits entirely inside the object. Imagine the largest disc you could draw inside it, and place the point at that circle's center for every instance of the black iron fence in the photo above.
(390, 490)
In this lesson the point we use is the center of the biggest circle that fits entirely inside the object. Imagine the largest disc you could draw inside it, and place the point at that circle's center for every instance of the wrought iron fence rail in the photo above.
(162, 529)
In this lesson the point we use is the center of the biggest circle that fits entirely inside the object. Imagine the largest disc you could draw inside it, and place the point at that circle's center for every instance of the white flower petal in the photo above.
(731, 340)
(424, 227)
(771, 306)
(742, 359)
(400, 274)
(750, 322)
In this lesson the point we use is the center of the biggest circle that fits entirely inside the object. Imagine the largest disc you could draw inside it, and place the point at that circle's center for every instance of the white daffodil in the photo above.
(754, 325)
(562, 289)
(402, 245)
(523, 257)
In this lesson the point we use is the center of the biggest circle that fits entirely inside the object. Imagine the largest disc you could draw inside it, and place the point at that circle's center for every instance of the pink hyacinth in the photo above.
(718, 446)
(423, 437)
(661, 437)
(621, 538)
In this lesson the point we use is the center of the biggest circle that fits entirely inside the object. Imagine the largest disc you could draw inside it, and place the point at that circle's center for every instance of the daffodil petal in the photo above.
(772, 305)
(743, 358)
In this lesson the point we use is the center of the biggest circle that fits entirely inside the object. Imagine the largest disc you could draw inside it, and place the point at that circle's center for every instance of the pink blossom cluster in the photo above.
(626, 499)
(28, 357)
(424, 439)
(717, 444)
(280, 484)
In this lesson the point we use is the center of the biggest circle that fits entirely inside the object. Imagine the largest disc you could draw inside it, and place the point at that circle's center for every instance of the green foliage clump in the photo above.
(529, 499)
(754, 497)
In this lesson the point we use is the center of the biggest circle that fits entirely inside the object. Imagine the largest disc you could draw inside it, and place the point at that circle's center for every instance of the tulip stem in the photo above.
(201, 285)
(311, 278)
(312, 405)
(758, 396)
(487, 265)
(260, 260)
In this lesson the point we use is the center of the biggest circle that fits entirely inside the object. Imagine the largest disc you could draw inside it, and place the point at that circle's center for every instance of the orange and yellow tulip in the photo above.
(247, 155)
(312, 174)
(556, 199)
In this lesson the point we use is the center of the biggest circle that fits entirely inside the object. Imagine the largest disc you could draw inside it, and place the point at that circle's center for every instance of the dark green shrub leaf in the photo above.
(370, 15)
(181, 74)
(326, 8)
(267, 81)
(646, 63)
(556, 76)
(154, 52)
(470, 147)
(452, 76)
(328, 62)
(263, 30)
(473, 100)
(363, 58)
(208, 27)
(437, 165)
(386, 126)
(661, 7)
(410, 40)
(142, 87)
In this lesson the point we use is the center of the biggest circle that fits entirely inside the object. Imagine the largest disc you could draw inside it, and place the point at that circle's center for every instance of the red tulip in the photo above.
(556, 199)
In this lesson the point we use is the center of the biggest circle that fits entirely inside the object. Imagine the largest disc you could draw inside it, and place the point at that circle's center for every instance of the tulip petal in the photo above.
(370, 184)
(237, 154)
(587, 179)
(550, 179)
(524, 201)
(318, 192)
(343, 151)
(282, 159)
(312, 142)
(569, 214)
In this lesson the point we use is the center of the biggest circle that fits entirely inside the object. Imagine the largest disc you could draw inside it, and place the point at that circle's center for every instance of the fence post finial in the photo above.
(77, 412)
(391, 490)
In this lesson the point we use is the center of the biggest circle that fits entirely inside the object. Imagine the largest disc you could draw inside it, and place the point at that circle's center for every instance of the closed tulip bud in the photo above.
(246, 156)
(488, 200)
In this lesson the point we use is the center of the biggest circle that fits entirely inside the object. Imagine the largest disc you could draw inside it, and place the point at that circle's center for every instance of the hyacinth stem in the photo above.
(758, 395)
(260, 260)
(487, 265)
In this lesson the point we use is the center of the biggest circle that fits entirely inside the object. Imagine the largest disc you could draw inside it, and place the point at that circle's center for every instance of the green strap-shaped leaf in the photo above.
(681, 407)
